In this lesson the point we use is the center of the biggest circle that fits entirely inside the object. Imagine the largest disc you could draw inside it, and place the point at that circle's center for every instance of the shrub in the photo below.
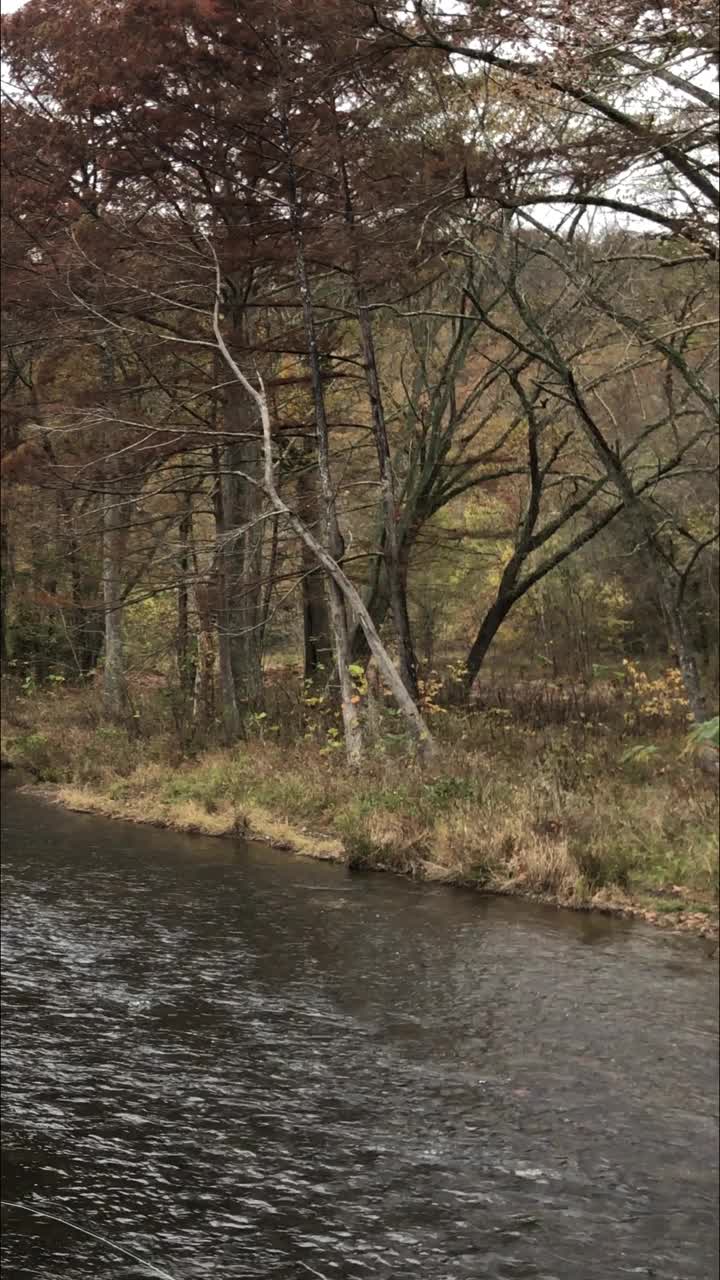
(602, 865)
(37, 752)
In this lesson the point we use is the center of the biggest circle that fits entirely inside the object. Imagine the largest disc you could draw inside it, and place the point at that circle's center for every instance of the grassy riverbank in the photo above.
(551, 812)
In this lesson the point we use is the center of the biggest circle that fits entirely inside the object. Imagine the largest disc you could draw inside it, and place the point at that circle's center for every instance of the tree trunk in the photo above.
(378, 602)
(203, 711)
(185, 661)
(396, 577)
(333, 537)
(115, 693)
(489, 628)
(396, 572)
(270, 571)
(4, 590)
(228, 701)
(317, 641)
(86, 617)
(242, 500)
(685, 654)
(378, 592)
(350, 594)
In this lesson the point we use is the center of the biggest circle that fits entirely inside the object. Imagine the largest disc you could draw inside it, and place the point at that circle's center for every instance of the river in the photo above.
(233, 1063)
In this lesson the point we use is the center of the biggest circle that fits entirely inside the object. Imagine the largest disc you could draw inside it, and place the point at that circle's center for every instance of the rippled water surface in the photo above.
(237, 1064)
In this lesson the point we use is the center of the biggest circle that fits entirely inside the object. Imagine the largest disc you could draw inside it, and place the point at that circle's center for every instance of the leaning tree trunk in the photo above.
(352, 598)
(487, 631)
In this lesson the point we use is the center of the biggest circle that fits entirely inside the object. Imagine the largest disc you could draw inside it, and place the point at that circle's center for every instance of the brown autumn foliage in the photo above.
(469, 380)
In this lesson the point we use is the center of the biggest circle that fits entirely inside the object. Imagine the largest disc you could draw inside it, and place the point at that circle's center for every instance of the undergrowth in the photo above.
(558, 811)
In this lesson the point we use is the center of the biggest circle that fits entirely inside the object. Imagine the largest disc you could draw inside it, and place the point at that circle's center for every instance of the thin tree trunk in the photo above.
(269, 582)
(86, 618)
(685, 653)
(203, 712)
(4, 589)
(378, 603)
(244, 553)
(397, 579)
(185, 664)
(228, 701)
(317, 640)
(336, 598)
(374, 702)
(115, 692)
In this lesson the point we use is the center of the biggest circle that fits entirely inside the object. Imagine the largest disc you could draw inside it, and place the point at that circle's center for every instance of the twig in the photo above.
(40, 1213)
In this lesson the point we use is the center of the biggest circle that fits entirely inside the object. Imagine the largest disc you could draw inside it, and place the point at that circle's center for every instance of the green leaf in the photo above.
(709, 731)
(705, 734)
(638, 755)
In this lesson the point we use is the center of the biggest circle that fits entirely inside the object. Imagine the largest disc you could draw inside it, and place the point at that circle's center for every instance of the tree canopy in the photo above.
(341, 333)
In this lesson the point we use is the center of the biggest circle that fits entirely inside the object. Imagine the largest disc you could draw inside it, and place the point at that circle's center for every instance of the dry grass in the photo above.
(184, 816)
(549, 813)
(193, 817)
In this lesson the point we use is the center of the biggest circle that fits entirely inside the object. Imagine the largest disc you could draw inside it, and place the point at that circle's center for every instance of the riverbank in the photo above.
(554, 814)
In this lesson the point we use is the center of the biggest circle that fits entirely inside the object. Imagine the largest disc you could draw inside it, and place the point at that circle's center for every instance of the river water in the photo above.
(233, 1063)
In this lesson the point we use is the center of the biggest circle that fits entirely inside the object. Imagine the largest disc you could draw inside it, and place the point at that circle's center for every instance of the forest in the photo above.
(360, 431)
